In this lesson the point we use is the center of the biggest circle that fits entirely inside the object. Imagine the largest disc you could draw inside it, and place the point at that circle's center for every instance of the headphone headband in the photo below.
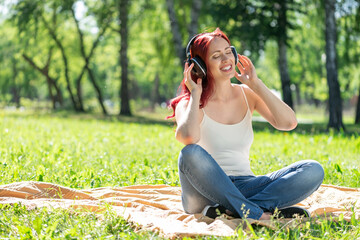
(192, 40)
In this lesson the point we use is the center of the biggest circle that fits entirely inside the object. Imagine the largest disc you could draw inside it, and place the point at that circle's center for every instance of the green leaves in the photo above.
(338, 168)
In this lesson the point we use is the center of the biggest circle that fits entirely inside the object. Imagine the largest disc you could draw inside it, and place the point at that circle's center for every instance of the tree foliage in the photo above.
(68, 51)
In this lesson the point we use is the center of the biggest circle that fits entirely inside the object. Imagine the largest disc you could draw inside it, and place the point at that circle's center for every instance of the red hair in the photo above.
(199, 48)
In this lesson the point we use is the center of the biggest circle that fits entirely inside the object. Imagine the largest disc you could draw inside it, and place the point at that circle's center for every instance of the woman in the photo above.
(214, 122)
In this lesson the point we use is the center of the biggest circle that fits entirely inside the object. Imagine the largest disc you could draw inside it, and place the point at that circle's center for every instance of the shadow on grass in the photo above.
(310, 128)
(140, 118)
(149, 118)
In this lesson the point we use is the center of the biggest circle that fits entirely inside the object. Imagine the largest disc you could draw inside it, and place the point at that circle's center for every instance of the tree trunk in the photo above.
(86, 66)
(282, 61)
(77, 106)
(195, 14)
(303, 70)
(357, 115)
(124, 90)
(176, 33)
(14, 88)
(97, 90)
(335, 102)
(298, 94)
(79, 87)
(50, 81)
(155, 92)
(52, 97)
(58, 96)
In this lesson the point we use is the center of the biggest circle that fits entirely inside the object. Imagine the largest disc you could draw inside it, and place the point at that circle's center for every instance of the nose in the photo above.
(224, 57)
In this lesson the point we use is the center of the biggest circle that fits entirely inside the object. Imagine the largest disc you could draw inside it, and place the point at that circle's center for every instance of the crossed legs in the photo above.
(203, 182)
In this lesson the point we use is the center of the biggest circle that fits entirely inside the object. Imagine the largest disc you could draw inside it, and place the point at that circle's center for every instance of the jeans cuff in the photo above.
(256, 214)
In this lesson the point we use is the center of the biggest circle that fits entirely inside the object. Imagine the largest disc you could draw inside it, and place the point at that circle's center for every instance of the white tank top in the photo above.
(229, 144)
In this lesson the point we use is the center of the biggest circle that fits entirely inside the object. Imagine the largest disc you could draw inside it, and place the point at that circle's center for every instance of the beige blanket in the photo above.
(158, 207)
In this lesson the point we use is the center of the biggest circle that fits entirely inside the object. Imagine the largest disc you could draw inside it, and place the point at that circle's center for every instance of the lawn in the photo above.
(85, 151)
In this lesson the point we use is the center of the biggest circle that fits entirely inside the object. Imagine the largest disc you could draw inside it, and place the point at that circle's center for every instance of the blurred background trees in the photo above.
(118, 56)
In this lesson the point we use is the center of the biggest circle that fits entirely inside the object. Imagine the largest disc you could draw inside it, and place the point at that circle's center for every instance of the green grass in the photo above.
(17, 222)
(86, 151)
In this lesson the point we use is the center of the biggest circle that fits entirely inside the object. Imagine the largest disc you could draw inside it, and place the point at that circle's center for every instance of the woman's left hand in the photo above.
(248, 74)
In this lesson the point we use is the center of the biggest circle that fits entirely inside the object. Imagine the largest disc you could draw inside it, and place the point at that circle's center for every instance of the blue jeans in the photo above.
(203, 182)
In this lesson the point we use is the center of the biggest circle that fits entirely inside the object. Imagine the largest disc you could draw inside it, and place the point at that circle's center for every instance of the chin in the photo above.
(231, 74)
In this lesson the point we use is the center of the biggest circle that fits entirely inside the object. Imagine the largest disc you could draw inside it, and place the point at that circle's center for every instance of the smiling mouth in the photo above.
(226, 69)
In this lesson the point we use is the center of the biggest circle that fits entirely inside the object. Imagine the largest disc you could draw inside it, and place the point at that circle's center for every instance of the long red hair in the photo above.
(199, 48)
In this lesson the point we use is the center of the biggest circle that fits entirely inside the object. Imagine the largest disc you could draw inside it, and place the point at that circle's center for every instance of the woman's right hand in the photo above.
(194, 88)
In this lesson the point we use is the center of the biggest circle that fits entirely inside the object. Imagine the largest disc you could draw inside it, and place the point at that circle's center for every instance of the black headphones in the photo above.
(199, 68)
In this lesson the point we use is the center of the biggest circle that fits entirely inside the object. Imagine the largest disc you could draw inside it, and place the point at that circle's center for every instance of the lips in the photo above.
(226, 68)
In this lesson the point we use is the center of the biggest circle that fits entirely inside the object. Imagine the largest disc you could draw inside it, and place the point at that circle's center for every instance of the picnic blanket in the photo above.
(158, 207)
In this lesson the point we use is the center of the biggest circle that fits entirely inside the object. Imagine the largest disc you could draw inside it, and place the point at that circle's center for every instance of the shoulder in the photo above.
(244, 88)
(240, 86)
(250, 95)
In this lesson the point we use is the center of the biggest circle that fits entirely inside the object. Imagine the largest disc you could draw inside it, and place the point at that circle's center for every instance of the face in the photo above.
(220, 59)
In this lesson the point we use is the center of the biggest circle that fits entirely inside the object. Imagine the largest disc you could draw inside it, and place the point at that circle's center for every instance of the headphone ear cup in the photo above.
(235, 54)
(199, 68)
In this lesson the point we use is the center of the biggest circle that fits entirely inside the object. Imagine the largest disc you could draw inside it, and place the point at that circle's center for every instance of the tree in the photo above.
(282, 37)
(52, 32)
(357, 111)
(124, 90)
(56, 98)
(154, 66)
(40, 16)
(192, 27)
(307, 60)
(357, 28)
(15, 75)
(87, 57)
(335, 101)
(348, 50)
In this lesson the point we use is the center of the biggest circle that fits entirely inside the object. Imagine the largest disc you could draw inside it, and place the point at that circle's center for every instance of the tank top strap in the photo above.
(242, 89)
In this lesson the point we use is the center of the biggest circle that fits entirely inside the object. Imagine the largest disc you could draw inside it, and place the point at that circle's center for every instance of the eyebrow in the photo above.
(219, 51)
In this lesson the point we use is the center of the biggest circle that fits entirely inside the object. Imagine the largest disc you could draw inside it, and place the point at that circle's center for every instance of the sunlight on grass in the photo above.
(82, 151)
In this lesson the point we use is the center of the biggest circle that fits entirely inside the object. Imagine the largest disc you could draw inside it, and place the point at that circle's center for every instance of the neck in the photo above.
(222, 90)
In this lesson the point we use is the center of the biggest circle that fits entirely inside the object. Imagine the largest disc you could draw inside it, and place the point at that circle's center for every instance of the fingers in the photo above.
(239, 62)
(188, 69)
(240, 67)
(192, 85)
(244, 66)
(245, 61)
(187, 76)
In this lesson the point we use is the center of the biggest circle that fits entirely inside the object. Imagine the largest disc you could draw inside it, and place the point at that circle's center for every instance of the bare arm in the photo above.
(188, 119)
(273, 109)
(187, 113)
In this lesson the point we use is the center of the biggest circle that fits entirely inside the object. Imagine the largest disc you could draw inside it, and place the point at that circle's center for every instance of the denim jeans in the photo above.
(203, 182)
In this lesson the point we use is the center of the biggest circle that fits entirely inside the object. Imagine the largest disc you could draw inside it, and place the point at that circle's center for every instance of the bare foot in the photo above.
(265, 216)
